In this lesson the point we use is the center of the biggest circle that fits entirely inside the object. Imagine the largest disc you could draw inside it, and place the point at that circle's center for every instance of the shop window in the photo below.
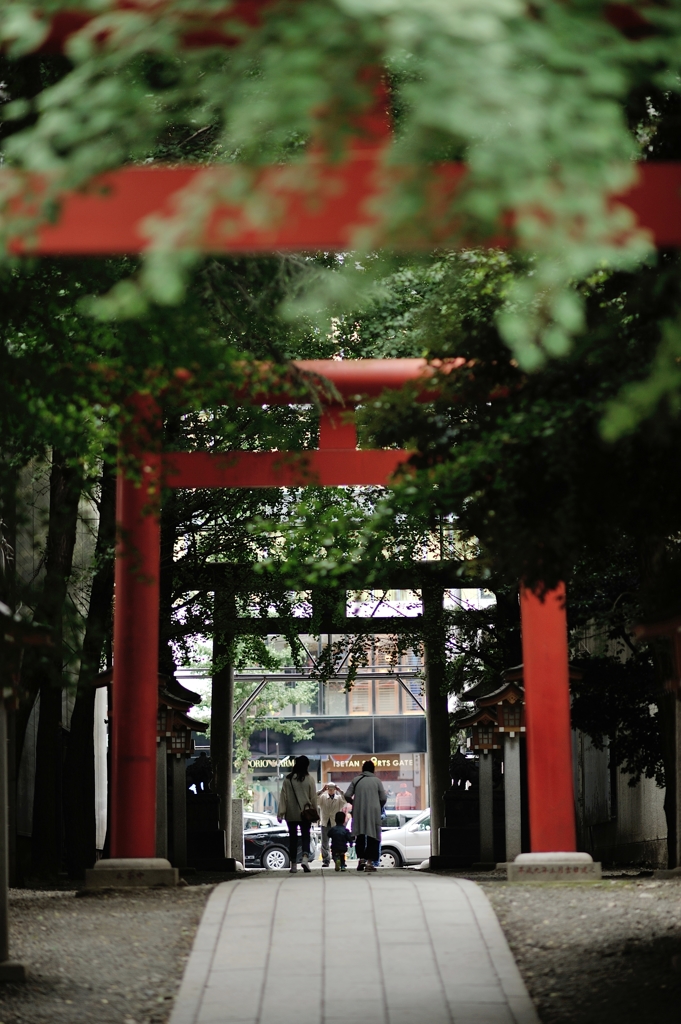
(387, 697)
(360, 699)
(335, 699)
(415, 688)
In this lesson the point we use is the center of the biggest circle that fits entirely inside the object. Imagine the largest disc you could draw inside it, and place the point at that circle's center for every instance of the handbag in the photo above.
(308, 812)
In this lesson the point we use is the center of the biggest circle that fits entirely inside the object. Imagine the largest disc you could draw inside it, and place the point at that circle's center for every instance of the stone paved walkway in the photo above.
(397, 947)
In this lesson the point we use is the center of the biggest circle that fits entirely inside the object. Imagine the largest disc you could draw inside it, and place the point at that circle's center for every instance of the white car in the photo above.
(396, 819)
(254, 819)
(409, 844)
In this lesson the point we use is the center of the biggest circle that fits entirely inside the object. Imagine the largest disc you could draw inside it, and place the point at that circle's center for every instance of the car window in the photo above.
(252, 823)
(419, 825)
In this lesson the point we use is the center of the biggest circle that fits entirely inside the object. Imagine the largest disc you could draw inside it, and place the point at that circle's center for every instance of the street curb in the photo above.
(188, 999)
(502, 958)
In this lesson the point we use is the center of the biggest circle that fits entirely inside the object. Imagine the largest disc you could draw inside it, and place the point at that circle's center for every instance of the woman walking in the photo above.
(367, 796)
(298, 805)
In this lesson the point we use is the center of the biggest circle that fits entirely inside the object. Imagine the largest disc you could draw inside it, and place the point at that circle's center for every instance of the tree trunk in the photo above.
(670, 730)
(172, 430)
(8, 540)
(508, 625)
(654, 557)
(222, 714)
(166, 660)
(66, 483)
(79, 768)
(437, 710)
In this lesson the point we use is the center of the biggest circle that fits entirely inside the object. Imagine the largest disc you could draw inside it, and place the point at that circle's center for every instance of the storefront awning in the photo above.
(375, 734)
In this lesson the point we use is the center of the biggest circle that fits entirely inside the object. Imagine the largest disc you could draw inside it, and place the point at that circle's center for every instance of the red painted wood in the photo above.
(337, 429)
(197, 30)
(547, 712)
(328, 468)
(324, 209)
(656, 201)
(207, 30)
(369, 378)
(135, 670)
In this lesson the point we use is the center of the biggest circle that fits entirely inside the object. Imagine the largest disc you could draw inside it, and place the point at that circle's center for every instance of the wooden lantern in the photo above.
(484, 731)
(509, 701)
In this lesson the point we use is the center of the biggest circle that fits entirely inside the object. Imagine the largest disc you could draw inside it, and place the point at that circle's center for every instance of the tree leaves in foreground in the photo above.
(536, 103)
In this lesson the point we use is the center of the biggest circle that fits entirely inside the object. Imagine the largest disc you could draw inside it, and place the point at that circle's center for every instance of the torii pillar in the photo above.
(132, 826)
(554, 856)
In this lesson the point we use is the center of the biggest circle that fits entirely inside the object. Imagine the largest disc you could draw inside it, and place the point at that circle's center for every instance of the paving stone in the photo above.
(455, 964)
(485, 1013)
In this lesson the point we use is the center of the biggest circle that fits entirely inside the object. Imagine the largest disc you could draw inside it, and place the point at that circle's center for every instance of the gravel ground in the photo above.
(590, 953)
(102, 959)
(596, 953)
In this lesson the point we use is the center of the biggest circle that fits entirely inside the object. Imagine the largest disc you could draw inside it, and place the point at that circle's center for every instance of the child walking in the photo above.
(340, 838)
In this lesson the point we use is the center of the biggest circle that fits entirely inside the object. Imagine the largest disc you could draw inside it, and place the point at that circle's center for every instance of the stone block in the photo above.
(130, 873)
(667, 873)
(11, 971)
(442, 862)
(237, 851)
(553, 867)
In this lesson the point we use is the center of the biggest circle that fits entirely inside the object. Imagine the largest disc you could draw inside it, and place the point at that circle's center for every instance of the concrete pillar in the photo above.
(437, 710)
(161, 799)
(486, 808)
(236, 849)
(512, 790)
(179, 770)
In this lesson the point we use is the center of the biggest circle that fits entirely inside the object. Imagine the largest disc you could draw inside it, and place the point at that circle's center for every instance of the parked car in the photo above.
(409, 844)
(396, 819)
(254, 819)
(268, 848)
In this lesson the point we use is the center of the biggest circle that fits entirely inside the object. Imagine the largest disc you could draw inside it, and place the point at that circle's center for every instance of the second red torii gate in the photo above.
(336, 462)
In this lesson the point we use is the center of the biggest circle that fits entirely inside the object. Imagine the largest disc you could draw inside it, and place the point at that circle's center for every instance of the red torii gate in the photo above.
(336, 462)
(107, 219)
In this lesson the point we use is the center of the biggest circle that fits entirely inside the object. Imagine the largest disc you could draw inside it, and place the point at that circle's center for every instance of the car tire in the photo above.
(275, 859)
(390, 858)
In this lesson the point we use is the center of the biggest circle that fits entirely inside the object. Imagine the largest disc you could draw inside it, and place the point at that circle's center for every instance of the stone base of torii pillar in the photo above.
(553, 867)
(131, 873)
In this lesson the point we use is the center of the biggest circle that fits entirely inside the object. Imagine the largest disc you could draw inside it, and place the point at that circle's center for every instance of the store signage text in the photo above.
(270, 762)
(391, 762)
